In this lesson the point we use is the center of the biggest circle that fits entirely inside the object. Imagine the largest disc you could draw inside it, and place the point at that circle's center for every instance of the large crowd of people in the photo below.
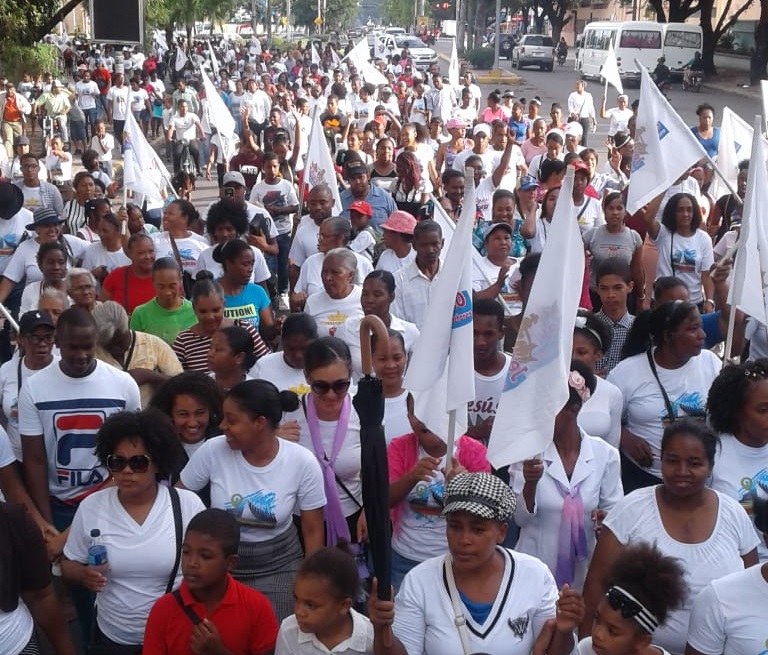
(181, 458)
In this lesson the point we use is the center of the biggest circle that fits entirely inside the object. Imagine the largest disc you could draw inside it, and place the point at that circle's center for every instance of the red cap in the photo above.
(361, 207)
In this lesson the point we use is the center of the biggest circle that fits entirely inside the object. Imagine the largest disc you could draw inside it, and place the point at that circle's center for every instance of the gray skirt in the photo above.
(270, 567)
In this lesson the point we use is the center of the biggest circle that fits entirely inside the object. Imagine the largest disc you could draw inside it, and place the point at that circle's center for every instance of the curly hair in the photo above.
(728, 393)
(227, 211)
(655, 579)
(669, 215)
(199, 386)
(336, 565)
(153, 428)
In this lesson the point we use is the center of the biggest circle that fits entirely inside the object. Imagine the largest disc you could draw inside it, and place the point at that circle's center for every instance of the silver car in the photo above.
(534, 50)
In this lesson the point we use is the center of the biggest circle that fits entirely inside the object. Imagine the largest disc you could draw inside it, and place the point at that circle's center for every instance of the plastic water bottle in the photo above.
(97, 553)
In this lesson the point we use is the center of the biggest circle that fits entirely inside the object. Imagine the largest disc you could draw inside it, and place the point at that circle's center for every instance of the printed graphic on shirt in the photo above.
(275, 198)
(75, 429)
(684, 260)
(690, 402)
(245, 312)
(753, 488)
(426, 500)
(256, 510)
(8, 245)
(519, 626)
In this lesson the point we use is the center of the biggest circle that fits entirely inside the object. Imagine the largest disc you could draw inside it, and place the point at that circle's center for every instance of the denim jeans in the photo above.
(400, 566)
(284, 246)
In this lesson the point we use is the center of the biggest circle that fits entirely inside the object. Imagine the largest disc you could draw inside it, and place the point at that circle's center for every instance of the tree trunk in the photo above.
(658, 7)
(708, 37)
(760, 55)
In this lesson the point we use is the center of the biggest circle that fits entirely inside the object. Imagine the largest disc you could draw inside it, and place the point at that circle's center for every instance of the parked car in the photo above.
(422, 56)
(534, 50)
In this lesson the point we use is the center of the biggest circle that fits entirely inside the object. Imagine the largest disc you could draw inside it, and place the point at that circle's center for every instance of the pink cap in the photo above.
(399, 221)
(455, 123)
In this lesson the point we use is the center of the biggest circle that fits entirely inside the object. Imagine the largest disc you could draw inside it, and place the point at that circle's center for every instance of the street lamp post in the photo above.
(497, 38)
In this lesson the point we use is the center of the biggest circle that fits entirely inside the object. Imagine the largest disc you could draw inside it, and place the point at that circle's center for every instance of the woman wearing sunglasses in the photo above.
(262, 481)
(330, 428)
(644, 586)
(135, 521)
(707, 531)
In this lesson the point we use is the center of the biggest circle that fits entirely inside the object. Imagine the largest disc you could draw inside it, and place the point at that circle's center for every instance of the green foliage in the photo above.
(20, 20)
(17, 59)
(480, 58)
(398, 12)
(339, 15)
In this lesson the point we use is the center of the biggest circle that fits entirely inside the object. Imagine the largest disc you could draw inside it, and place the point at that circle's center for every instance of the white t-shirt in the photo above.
(684, 257)
(310, 276)
(591, 216)
(349, 333)
(487, 395)
(282, 194)
(138, 100)
(330, 314)
(644, 408)
(12, 231)
(484, 198)
(596, 478)
(263, 499)
(304, 242)
(347, 465)
(600, 416)
(9, 385)
(16, 627)
(389, 261)
(636, 518)
(485, 273)
(618, 119)
(86, 93)
(292, 641)
(30, 297)
(272, 367)
(424, 616)
(728, 616)
(584, 647)
(396, 422)
(68, 412)
(205, 263)
(97, 255)
(103, 146)
(738, 472)
(23, 265)
(185, 127)
(119, 97)
(190, 248)
(141, 557)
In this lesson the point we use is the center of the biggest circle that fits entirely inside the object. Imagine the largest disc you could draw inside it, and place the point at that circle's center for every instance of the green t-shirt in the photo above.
(164, 323)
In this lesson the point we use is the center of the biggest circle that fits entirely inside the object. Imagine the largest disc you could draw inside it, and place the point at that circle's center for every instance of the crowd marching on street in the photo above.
(569, 351)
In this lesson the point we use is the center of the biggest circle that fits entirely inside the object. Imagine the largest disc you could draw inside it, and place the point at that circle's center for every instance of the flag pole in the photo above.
(4, 311)
(450, 442)
(725, 181)
(732, 315)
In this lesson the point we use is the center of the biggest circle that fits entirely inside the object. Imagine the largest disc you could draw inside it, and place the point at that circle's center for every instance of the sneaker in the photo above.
(283, 303)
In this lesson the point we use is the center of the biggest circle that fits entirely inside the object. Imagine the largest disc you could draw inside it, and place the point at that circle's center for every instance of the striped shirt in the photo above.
(192, 348)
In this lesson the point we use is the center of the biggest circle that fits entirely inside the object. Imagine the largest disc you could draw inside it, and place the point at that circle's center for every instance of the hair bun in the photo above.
(203, 275)
(289, 401)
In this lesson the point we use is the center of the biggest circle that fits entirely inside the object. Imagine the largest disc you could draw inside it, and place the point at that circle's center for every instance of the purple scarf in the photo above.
(335, 523)
(572, 542)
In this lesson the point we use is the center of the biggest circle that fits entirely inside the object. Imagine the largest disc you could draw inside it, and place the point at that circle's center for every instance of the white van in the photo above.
(681, 42)
(632, 40)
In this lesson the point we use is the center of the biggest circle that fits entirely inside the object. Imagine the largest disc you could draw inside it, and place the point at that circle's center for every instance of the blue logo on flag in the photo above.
(462, 310)
(661, 129)
(737, 145)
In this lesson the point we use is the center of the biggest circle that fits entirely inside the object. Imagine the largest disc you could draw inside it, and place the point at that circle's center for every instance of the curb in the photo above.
(500, 76)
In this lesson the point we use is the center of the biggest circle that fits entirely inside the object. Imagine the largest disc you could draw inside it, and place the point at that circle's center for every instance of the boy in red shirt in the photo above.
(211, 613)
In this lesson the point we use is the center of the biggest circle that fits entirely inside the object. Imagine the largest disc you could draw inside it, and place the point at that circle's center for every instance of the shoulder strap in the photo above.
(125, 288)
(176, 252)
(583, 209)
(458, 613)
(186, 609)
(667, 403)
(176, 507)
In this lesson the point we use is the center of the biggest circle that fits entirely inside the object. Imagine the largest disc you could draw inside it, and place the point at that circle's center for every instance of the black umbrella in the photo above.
(369, 403)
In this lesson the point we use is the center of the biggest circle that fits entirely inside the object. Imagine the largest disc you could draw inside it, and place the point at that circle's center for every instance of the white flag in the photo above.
(748, 289)
(143, 171)
(214, 61)
(734, 145)
(665, 147)
(335, 58)
(181, 59)
(442, 363)
(536, 386)
(319, 168)
(360, 57)
(453, 67)
(610, 70)
(221, 118)
(315, 55)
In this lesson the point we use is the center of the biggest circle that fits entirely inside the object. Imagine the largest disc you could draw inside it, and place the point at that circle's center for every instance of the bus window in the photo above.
(675, 39)
(641, 39)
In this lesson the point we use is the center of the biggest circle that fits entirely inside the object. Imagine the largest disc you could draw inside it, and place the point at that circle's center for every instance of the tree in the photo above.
(556, 11)
(760, 56)
(398, 12)
(339, 14)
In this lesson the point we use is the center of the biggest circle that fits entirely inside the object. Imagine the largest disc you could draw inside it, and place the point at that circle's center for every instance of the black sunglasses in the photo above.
(321, 387)
(137, 463)
(619, 602)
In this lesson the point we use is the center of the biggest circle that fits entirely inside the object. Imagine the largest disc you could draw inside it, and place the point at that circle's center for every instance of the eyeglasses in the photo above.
(620, 603)
(321, 387)
(39, 339)
(137, 463)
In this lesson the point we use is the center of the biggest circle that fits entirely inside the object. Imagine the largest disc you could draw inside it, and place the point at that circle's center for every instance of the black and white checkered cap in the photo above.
(481, 494)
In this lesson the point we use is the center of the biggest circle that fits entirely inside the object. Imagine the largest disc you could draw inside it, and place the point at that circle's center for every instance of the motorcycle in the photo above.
(692, 82)
(561, 57)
